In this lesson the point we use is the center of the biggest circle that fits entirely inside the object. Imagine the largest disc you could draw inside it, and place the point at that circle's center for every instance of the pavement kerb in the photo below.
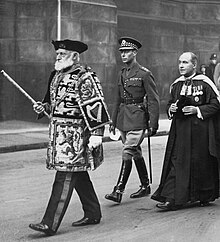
(23, 147)
(43, 144)
(20, 131)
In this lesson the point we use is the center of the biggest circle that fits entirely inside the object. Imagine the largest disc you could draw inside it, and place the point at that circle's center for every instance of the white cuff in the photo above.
(94, 141)
(199, 114)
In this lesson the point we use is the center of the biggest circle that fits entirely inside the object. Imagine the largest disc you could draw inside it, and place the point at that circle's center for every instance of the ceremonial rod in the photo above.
(21, 89)
(149, 159)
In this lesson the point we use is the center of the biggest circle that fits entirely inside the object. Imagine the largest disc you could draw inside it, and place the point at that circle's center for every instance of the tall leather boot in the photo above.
(143, 175)
(118, 190)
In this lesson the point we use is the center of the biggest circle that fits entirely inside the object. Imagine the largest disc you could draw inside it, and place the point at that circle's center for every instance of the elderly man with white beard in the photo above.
(74, 146)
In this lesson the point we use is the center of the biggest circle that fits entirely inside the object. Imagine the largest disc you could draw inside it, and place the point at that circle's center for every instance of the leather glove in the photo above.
(112, 128)
(151, 132)
(94, 141)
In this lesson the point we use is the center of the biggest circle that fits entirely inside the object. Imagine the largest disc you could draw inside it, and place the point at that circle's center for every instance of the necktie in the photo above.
(128, 71)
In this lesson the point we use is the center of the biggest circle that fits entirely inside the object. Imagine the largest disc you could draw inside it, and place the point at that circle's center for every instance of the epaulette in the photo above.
(144, 69)
(82, 70)
(88, 68)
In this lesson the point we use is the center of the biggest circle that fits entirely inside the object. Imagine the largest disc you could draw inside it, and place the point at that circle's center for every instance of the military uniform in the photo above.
(209, 72)
(130, 112)
(136, 109)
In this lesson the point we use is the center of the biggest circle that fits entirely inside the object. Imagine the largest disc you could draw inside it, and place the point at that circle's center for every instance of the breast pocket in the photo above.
(134, 83)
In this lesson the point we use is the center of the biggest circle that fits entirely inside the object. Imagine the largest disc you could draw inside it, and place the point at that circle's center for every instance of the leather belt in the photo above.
(132, 100)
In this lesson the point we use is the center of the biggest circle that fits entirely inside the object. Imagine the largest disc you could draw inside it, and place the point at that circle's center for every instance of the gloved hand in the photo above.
(38, 107)
(112, 128)
(151, 132)
(94, 141)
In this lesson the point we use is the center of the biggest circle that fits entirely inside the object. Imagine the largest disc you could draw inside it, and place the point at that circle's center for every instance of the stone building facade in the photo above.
(27, 55)
(166, 28)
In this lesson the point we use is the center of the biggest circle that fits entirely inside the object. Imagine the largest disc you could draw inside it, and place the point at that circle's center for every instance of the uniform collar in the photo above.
(133, 70)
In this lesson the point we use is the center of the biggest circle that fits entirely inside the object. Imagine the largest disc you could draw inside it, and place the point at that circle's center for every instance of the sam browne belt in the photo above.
(132, 100)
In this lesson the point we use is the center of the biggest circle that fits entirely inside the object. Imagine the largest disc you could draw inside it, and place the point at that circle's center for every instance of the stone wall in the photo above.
(27, 55)
(167, 28)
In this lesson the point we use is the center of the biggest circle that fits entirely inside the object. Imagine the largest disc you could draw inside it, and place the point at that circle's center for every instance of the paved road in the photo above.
(25, 187)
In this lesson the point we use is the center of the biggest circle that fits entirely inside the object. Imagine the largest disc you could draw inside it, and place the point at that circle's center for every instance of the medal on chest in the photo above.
(197, 91)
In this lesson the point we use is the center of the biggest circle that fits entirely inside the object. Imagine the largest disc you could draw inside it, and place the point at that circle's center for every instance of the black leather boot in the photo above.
(116, 195)
(143, 176)
(142, 192)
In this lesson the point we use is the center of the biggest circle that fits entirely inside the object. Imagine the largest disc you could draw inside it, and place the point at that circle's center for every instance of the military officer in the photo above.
(136, 109)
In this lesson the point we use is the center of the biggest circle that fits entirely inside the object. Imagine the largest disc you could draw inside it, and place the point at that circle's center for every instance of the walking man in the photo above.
(190, 168)
(136, 110)
(74, 147)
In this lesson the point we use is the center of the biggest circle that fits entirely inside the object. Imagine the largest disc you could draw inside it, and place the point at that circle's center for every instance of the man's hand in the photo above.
(151, 132)
(94, 141)
(38, 107)
(189, 110)
(173, 107)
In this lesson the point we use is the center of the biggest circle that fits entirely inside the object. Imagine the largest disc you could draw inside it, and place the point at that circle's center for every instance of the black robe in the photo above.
(192, 149)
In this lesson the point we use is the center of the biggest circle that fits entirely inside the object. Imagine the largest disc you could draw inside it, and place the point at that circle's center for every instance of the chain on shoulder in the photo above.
(144, 69)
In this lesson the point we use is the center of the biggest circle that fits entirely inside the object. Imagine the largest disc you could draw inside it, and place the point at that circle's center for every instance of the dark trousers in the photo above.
(62, 190)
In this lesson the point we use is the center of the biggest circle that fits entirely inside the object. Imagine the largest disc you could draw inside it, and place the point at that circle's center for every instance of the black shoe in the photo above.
(142, 192)
(114, 196)
(168, 206)
(41, 227)
(86, 221)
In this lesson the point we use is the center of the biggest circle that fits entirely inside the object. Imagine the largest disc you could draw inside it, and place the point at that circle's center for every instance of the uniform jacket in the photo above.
(210, 71)
(137, 85)
(217, 76)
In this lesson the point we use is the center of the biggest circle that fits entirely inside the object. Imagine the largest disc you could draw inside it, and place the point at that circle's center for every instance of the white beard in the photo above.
(60, 65)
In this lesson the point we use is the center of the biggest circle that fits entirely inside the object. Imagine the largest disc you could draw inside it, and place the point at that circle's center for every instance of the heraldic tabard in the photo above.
(77, 110)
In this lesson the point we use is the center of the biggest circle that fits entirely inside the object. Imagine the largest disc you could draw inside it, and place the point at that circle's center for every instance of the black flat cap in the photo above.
(72, 45)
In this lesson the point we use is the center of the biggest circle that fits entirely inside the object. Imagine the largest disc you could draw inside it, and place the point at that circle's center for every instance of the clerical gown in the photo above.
(192, 151)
